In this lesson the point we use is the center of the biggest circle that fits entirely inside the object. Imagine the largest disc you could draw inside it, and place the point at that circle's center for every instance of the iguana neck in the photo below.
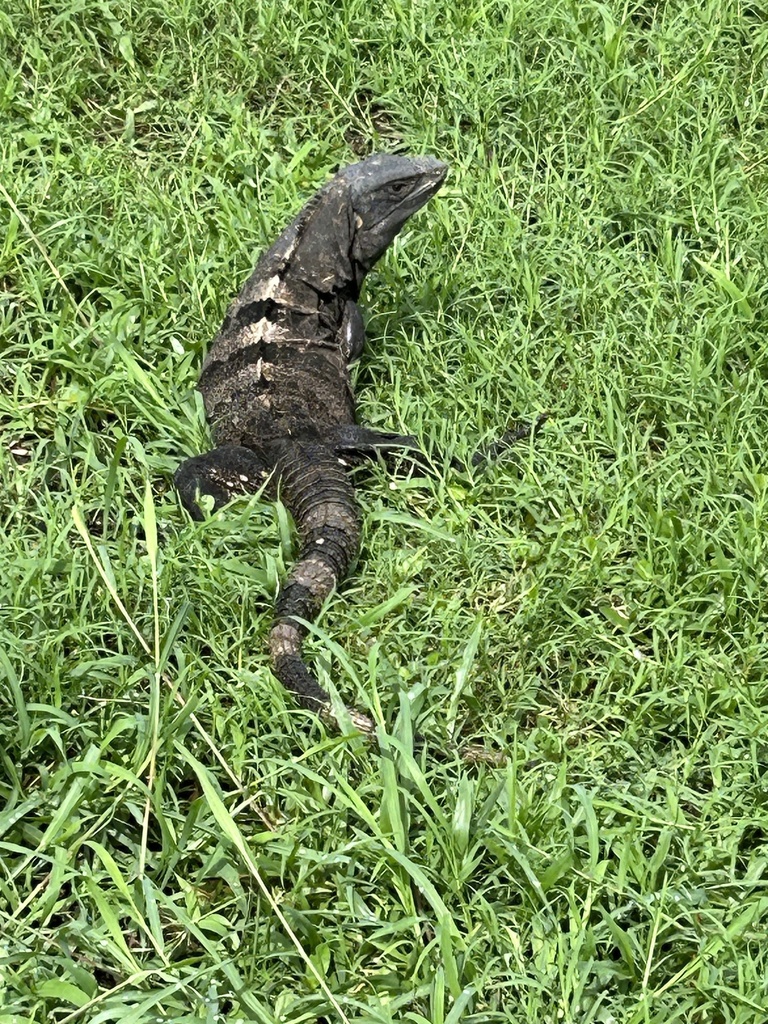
(312, 262)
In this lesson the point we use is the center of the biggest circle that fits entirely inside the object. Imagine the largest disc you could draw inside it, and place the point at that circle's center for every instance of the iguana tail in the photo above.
(320, 497)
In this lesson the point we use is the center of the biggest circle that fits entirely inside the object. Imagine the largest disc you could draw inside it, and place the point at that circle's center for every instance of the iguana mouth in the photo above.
(433, 182)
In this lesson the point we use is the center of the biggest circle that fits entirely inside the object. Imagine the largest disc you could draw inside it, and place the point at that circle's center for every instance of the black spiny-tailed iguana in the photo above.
(277, 390)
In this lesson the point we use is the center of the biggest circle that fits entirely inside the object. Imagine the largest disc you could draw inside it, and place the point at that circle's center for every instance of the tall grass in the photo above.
(177, 841)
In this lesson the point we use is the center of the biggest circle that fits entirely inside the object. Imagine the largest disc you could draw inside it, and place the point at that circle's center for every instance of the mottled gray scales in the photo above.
(277, 390)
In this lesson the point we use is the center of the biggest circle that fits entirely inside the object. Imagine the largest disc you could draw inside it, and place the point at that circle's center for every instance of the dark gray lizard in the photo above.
(277, 390)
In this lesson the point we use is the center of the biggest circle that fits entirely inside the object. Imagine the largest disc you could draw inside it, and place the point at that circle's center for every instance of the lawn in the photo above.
(178, 841)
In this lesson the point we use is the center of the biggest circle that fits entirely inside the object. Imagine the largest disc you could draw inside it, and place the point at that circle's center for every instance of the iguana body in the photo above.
(277, 390)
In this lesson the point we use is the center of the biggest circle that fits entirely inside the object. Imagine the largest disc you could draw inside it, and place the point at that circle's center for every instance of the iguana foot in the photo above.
(518, 432)
(222, 474)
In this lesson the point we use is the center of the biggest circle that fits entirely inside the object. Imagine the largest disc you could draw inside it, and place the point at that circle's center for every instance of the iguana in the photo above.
(277, 391)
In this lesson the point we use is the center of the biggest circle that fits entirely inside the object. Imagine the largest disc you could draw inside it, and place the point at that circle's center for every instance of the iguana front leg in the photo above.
(351, 335)
(222, 473)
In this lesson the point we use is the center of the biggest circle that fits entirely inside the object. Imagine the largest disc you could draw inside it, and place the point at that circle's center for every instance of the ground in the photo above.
(179, 842)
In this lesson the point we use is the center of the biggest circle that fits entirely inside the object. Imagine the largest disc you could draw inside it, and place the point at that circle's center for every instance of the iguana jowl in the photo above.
(277, 390)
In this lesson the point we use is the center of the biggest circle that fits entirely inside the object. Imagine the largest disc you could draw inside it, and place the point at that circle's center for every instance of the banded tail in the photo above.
(317, 492)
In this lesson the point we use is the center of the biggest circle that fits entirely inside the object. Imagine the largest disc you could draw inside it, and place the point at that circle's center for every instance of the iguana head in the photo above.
(348, 224)
(383, 192)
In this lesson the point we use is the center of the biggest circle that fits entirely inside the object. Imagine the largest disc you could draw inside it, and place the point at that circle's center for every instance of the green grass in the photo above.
(177, 841)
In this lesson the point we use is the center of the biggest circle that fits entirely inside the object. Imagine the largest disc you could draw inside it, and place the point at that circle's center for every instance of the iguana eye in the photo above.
(398, 187)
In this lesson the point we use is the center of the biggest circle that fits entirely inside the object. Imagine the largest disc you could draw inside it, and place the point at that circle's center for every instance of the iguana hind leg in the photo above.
(222, 473)
(365, 443)
(518, 432)
(356, 443)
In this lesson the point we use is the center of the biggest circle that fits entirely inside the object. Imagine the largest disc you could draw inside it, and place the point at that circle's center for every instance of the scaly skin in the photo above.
(277, 390)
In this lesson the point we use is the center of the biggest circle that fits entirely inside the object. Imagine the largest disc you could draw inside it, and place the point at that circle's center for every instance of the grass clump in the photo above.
(178, 842)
